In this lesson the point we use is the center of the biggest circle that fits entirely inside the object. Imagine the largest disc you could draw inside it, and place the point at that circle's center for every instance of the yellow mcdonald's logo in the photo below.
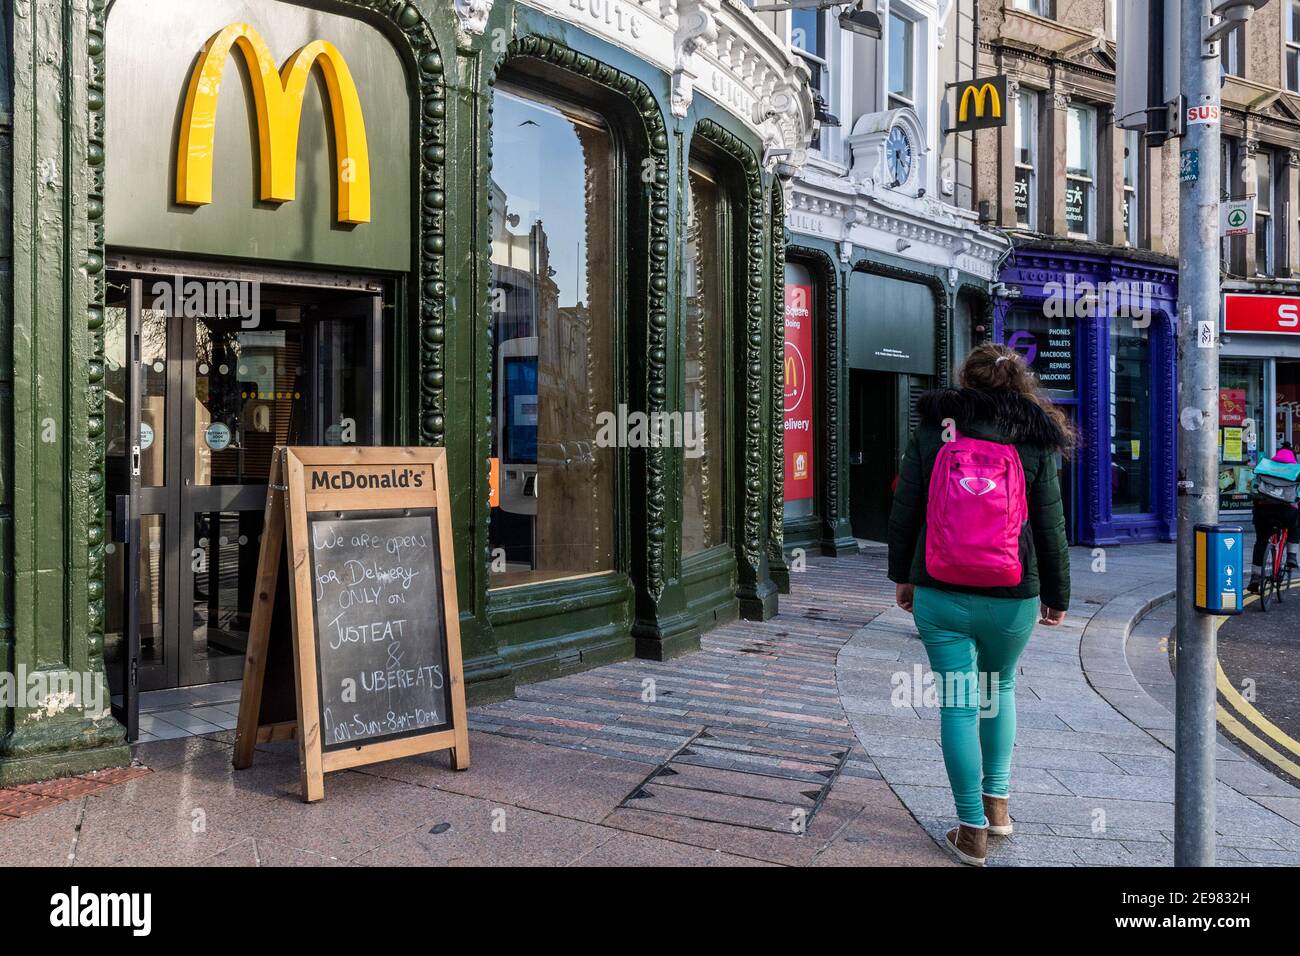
(791, 373)
(978, 94)
(278, 96)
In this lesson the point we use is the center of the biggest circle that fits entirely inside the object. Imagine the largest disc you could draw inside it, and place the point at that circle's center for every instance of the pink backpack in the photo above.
(975, 514)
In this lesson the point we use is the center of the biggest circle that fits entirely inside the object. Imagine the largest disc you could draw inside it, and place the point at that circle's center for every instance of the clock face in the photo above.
(898, 155)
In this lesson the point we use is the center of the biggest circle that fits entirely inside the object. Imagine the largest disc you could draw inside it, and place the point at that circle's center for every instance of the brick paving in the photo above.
(738, 754)
(776, 743)
(29, 798)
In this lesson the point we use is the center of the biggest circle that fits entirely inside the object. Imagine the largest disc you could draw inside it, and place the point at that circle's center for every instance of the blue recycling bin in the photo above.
(1218, 564)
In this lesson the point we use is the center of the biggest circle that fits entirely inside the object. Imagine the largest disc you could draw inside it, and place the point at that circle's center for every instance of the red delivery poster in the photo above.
(798, 393)
(1232, 406)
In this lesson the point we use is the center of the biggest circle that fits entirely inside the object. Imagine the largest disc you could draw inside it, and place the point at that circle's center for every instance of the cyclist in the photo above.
(1277, 506)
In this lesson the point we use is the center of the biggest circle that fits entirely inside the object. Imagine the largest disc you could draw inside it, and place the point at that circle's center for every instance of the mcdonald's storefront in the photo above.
(507, 229)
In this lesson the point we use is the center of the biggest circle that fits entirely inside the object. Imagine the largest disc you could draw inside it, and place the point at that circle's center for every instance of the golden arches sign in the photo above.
(978, 94)
(988, 96)
(278, 97)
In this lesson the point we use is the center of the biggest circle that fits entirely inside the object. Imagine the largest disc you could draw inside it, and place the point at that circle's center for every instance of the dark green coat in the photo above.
(1009, 418)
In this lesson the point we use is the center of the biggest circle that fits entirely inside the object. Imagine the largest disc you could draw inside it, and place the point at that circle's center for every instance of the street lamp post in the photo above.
(1198, 402)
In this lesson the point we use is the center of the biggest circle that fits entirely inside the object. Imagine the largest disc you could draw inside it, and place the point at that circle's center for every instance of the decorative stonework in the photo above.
(473, 15)
(776, 528)
(751, 414)
(656, 212)
(696, 27)
(941, 236)
(867, 142)
(95, 262)
(715, 48)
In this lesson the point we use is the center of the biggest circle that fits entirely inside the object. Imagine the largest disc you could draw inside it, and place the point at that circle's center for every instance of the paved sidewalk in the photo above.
(738, 754)
(1092, 779)
(776, 743)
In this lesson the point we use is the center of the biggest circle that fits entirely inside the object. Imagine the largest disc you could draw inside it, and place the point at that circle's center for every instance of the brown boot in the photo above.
(995, 808)
(968, 844)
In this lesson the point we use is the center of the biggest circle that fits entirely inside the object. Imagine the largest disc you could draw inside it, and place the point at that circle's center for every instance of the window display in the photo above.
(1241, 409)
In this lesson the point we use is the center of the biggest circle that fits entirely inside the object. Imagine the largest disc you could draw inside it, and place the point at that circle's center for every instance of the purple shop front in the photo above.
(1097, 325)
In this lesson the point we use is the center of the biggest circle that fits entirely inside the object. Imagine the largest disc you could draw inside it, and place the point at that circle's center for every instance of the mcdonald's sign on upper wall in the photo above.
(273, 131)
(980, 104)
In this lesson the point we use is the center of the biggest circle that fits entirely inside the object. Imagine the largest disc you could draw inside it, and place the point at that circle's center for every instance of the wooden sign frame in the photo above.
(288, 503)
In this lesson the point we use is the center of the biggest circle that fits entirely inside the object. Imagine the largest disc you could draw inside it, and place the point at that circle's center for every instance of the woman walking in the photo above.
(976, 544)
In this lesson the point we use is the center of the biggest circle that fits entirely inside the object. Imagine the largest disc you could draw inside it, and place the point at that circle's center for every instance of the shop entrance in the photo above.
(874, 450)
(203, 377)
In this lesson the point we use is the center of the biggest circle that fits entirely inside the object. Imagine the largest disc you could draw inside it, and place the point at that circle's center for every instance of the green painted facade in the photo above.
(52, 288)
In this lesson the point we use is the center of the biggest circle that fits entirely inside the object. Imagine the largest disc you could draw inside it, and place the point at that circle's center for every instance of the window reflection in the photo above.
(702, 517)
(553, 258)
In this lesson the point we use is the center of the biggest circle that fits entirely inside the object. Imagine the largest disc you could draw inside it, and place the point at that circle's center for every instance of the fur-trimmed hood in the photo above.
(998, 414)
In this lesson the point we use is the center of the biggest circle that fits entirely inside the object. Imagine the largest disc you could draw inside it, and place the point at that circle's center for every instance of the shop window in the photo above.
(1026, 133)
(902, 61)
(1264, 213)
(554, 249)
(1080, 173)
(703, 520)
(1291, 14)
(1130, 418)
(1132, 163)
(1048, 347)
(1241, 410)
(1287, 426)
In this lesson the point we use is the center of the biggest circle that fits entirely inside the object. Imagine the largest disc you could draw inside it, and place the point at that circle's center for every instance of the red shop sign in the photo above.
(798, 392)
(1276, 314)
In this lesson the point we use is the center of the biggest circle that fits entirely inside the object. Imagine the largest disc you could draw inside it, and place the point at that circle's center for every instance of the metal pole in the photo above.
(1198, 448)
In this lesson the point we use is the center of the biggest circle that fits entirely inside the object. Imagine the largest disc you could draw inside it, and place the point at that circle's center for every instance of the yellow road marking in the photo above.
(1248, 711)
(1253, 716)
(1243, 735)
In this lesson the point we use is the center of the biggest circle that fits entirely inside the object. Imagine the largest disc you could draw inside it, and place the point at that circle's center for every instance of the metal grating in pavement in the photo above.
(742, 780)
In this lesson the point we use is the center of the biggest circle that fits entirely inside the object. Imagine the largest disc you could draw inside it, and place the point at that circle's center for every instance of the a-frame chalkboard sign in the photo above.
(366, 665)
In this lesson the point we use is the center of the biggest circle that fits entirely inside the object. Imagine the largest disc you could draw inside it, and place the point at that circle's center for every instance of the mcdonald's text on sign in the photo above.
(981, 103)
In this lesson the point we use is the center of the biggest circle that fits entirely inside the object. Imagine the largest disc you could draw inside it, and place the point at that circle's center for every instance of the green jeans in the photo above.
(974, 643)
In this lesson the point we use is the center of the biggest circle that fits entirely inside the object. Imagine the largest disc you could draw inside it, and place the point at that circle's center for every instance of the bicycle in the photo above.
(1277, 573)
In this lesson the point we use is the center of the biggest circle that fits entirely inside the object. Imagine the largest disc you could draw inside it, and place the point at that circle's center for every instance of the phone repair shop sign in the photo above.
(1237, 216)
(1261, 314)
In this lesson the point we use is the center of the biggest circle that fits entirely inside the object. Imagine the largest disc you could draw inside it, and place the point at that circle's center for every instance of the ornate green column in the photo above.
(51, 386)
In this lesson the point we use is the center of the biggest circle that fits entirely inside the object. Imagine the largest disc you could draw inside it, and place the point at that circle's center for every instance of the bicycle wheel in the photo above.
(1267, 580)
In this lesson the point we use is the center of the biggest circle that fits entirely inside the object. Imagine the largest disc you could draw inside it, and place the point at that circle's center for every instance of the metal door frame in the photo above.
(178, 667)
